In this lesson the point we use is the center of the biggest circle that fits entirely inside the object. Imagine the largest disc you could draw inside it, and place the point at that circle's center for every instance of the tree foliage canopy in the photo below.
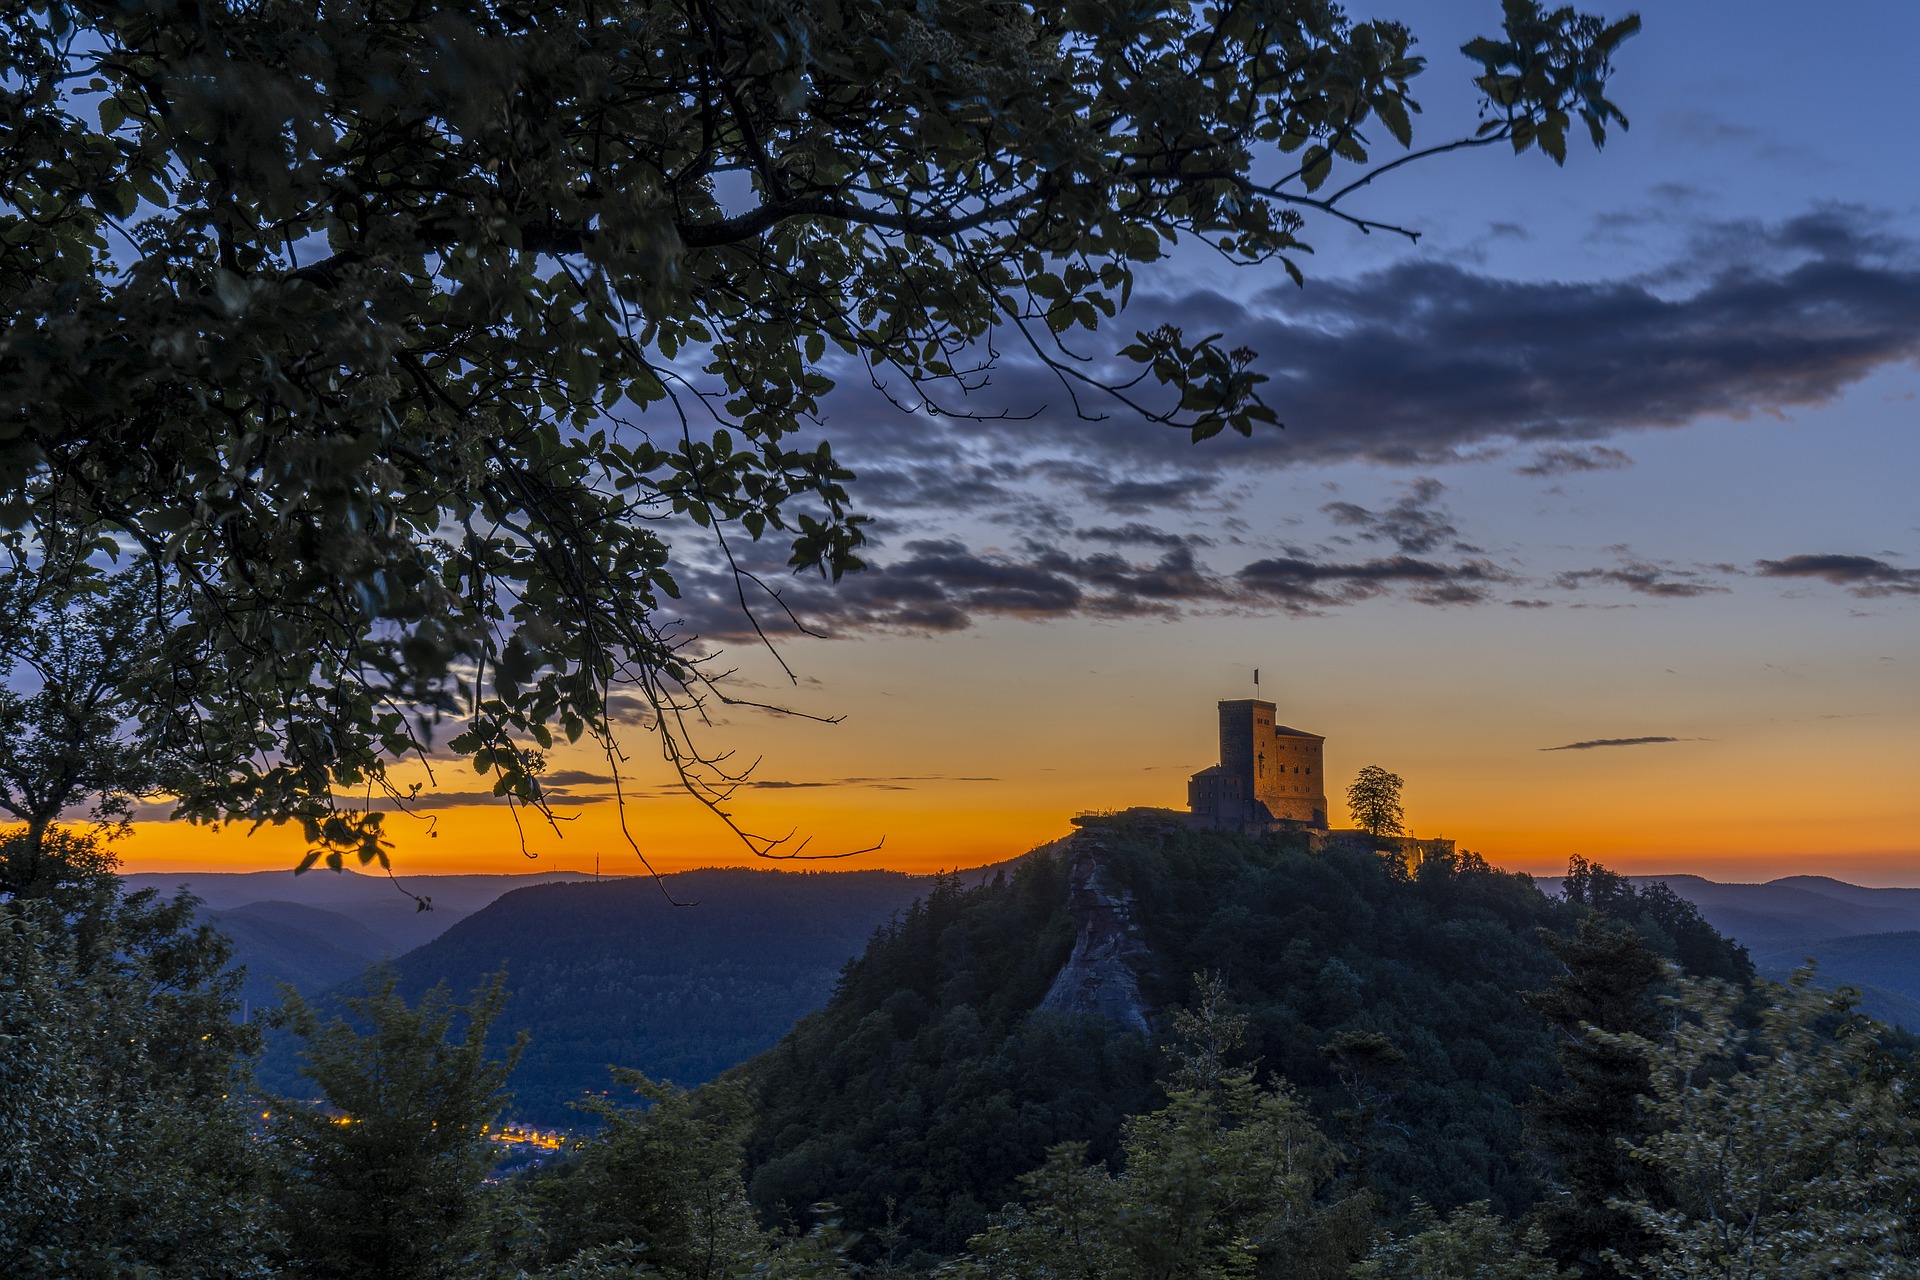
(410, 340)
(385, 1178)
(71, 643)
(1210, 1182)
(1783, 1142)
(1374, 801)
(1773, 1128)
(1390, 1003)
(121, 1066)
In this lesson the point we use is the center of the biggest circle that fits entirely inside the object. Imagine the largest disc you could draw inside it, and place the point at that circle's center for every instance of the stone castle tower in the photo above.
(1268, 774)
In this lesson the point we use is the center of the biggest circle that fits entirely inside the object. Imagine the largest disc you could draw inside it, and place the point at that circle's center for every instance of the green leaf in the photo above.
(1315, 166)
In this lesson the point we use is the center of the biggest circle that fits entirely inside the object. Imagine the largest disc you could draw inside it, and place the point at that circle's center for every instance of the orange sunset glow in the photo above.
(950, 755)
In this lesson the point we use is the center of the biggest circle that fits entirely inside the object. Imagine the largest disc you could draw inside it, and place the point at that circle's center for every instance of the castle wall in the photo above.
(1294, 786)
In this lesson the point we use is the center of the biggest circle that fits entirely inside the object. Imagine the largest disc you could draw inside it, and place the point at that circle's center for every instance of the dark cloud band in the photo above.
(1591, 743)
(944, 585)
(1862, 575)
(1430, 361)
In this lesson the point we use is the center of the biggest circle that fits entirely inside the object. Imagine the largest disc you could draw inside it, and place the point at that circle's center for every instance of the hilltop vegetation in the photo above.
(1394, 1004)
(926, 1085)
(1863, 938)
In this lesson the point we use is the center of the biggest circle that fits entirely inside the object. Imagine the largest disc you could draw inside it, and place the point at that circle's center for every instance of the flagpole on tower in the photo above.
(1256, 684)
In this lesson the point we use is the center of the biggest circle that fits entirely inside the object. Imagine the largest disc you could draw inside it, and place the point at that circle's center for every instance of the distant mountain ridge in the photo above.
(1788, 911)
(1857, 936)
(289, 942)
(376, 902)
(317, 930)
(609, 972)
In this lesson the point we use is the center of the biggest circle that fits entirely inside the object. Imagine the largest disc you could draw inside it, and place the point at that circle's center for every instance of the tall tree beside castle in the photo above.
(1374, 802)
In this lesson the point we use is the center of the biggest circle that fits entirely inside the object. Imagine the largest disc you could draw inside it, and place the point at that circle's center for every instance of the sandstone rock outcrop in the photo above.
(1101, 977)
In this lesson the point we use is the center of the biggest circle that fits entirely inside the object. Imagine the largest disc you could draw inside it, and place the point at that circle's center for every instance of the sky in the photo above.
(1594, 518)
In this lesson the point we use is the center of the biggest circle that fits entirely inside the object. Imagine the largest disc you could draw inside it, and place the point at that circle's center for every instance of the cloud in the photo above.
(1133, 497)
(1647, 579)
(956, 486)
(1136, 533)
(1422, 362)
(426, 800)
(937, 585)
(944, 585)
(901, 782)
(1296, 583)
(1431, 361)
(1591, 743)
(575, 778)
(890, 783)
(1698, 125)
(1862, 576)
(1417, 523)
(1425, 359)
(1563, 459)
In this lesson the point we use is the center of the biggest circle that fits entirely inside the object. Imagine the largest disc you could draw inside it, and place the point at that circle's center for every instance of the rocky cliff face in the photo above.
(1102, 975)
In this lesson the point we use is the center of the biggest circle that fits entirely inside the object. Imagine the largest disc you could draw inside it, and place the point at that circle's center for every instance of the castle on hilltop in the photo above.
(1268, 776)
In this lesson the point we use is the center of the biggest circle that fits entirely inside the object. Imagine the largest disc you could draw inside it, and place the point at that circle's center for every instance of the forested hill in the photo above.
(1393, 1002)
(614, 973)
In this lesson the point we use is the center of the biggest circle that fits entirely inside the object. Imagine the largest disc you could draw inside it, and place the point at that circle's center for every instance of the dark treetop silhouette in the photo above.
(392, 334)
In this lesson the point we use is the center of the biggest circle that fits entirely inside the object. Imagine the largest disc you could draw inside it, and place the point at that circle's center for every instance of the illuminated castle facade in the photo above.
(1268, 775)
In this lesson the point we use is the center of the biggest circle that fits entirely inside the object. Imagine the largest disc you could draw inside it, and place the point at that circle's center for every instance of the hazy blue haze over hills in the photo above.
(322, 928)
(614, 973)
(1883, 967)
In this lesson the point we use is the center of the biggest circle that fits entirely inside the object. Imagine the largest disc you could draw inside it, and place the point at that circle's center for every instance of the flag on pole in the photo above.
(1256, 675)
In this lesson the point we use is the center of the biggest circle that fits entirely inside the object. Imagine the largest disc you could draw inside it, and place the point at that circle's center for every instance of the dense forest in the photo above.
(1393, 1004)
(1357, 1070)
